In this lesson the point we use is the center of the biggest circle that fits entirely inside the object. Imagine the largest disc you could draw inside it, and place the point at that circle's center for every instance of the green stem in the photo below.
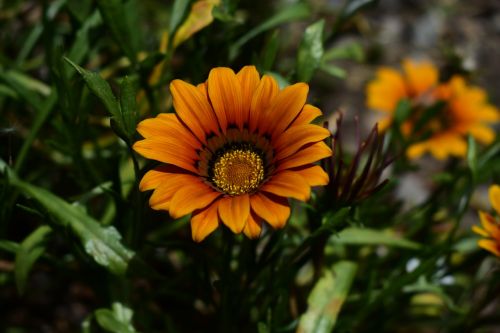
(227, 286)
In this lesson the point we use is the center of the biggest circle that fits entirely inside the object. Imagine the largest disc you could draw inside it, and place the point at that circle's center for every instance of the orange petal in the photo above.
(480, 231)
(482, 133)
(421, 76)
(314, 175)
(490, 245)
(192, 195)
(204, 222)
(167, 125)
(202, 88)
(494, 194)
(253, 227)
(489, 224)
(286, 107)
(263, 97)
(234, 212)
(308, 155)
(416, 150)
(457, 146)
(162, 195)
(296, 137)
(273, 209)
(388, 88)
(225, 93)
(193, 109)
(288, 184)
(249, 80)
(154, 178)
(308, 114)
(443, 145)
(168, 150)
(384, 124)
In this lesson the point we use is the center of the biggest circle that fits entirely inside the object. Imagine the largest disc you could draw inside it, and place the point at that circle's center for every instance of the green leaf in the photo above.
(43, 111)
(366, 236)
(428, 114)
(424, 286)
(122, 19)
(310, 51)
(262, 328)
(129, 113)
(403, 111)
(29, 251)
(289, 13)
(52, 10)
(81, 46)
(87, 324)
(348, 51)
(9, 246)
(101, 243)
(7, 91)
(100, 88)
(29, 43)
(269, 52)
(354, 6)
(29, 83)
(117, 320)
(333, 70)
(80, 9)
(472, 155)
(491, 152)
(179, 10)
(327, 298)
(333, 219)
(466, 245)
(22, 87)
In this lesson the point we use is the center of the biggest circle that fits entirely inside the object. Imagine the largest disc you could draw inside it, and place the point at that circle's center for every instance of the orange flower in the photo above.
(466, 112)
(463, 109)
(234, 152)
(416, 83)
(491, 226)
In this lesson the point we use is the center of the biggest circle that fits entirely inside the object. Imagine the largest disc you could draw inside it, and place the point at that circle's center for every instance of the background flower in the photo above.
(432, 117)
(416, 83)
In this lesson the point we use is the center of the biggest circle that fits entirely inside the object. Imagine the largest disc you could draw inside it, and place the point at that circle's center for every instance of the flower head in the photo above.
(440, 115)
(415, 83)
(234, 152)
(463, 110)
(490, 225)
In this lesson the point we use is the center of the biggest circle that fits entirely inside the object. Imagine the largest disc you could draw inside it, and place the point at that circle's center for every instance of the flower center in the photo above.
(238, 171)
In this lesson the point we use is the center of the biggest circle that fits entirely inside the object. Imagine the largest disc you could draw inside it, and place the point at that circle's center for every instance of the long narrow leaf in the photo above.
(101, 243)
(30, 250)
(327, 298)
(289, 13)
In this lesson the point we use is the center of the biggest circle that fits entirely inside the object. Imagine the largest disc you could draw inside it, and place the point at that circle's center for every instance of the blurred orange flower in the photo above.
(490, 226)
(416, 83)
(441, 115)
(234, 152)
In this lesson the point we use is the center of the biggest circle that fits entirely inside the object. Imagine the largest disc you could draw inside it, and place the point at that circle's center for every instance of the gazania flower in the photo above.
(491, 226)
(234, 152)
(416, 83)
(465, 111)
(440, 115)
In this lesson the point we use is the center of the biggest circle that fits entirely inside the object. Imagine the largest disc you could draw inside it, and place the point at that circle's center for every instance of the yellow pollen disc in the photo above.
(238, 171)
